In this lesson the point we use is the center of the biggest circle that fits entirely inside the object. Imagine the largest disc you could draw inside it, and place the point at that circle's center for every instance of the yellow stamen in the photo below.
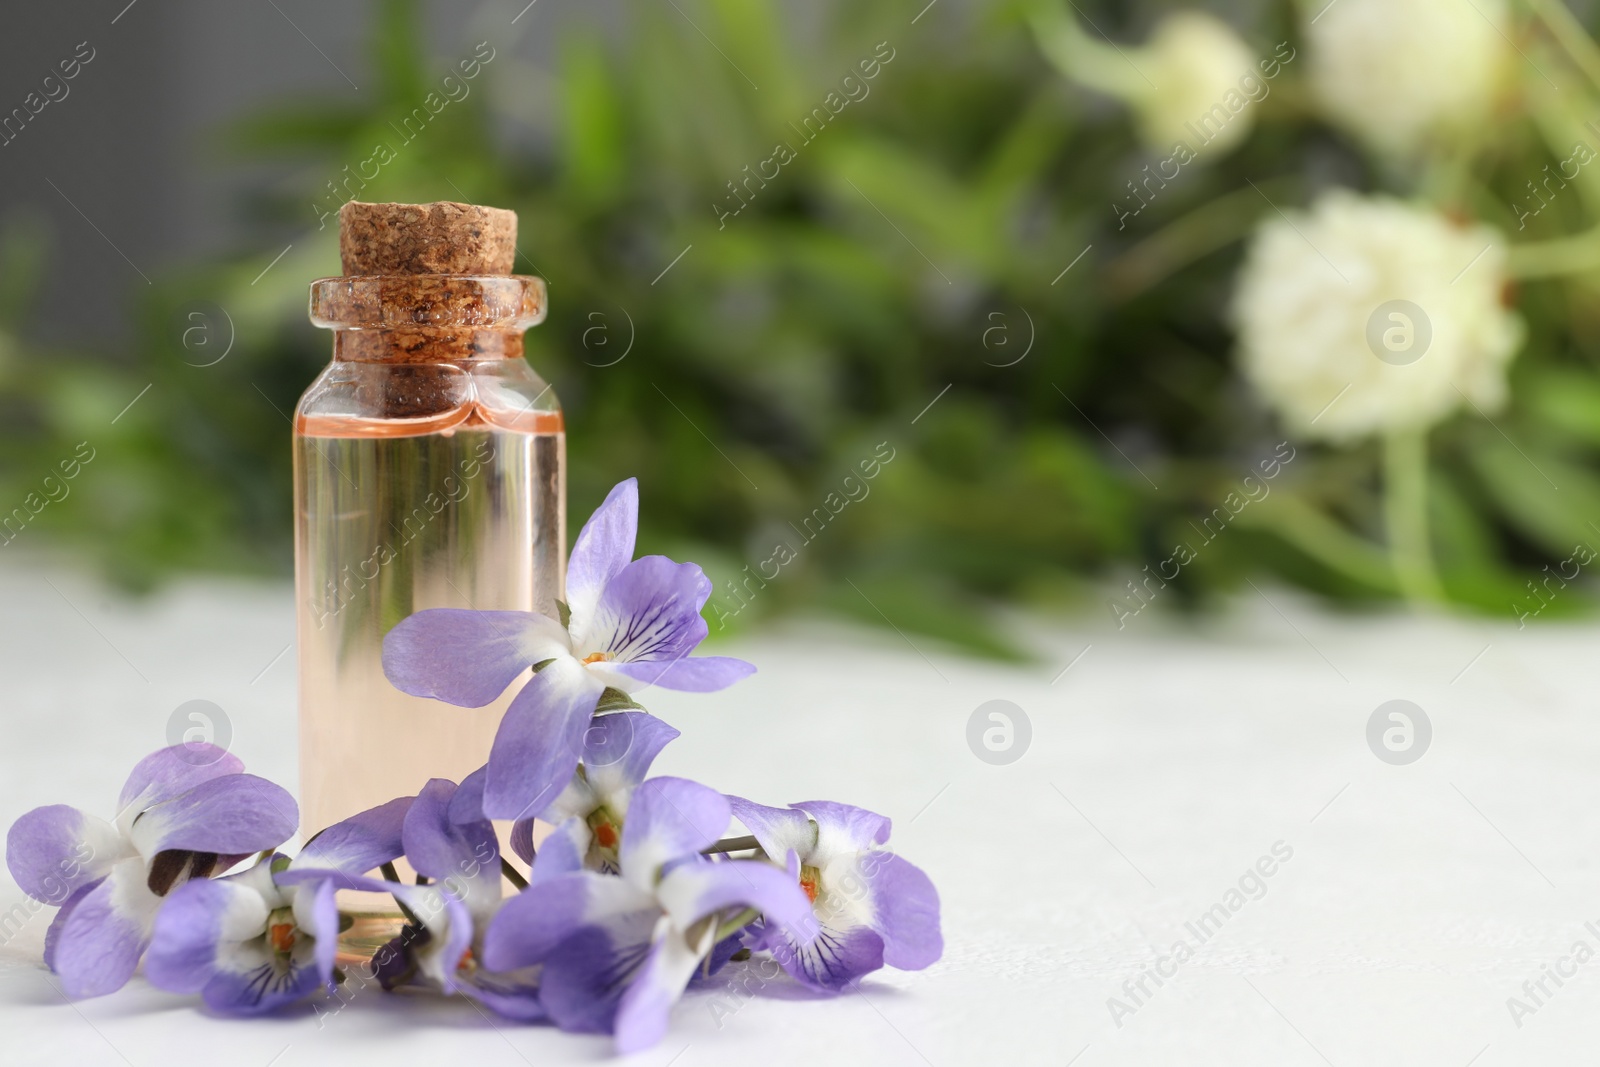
(811, 882)
(282, 936)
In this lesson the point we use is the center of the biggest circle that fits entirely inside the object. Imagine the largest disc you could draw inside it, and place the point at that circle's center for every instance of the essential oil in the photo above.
(429, 468)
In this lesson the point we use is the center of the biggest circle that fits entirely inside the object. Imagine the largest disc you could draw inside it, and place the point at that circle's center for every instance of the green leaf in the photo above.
(1553, 502)
(592, 132)
(616, 700)
(1565, 400)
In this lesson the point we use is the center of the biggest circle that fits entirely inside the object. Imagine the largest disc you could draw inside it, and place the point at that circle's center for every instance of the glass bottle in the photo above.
(429, 471)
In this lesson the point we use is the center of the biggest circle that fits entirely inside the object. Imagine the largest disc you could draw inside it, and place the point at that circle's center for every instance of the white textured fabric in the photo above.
(1163, 767)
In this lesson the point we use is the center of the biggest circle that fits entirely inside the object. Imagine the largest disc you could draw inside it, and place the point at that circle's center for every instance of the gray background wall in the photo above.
(133, 145)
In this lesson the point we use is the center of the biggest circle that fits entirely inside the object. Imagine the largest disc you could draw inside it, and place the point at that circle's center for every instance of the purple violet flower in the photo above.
(461, 856)
(872, 907)
(617, 952)
(255, 941)
(631, 623)
(185, 811)
(588, 814)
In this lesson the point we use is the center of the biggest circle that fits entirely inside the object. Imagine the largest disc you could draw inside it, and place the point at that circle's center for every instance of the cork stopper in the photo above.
(427, 283)
(427, 287)
(438, 238)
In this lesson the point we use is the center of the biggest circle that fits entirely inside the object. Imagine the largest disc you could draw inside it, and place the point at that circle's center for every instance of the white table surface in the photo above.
(1163, 764)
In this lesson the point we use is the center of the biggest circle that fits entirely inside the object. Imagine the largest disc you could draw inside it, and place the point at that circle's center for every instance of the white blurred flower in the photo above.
(1196, 63)
(1369, 314)
(1396, 72)
(1193, 82)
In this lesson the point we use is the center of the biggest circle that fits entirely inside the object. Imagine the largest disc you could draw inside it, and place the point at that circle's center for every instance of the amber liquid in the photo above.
(463, 510)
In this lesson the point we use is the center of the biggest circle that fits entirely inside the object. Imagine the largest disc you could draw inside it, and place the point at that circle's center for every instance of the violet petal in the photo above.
(907, 911)
(253, 979)
(361, 843)
(63, 917)
(618, 751)
(467, 658)
(691, 891)
(316, 912)
(54, 851)
(692, 674)
(170, 772)
(721, 953)
(779, 830)
(668, 819)
(508, 997)
(540, 739)
(830, 961)
(844, 828)
(198, 922)
(97, 947)
(462, 857)
(604, 546)
(585, 976)
(644, 1010)
(563, 851)
(467, 803)
(238, 813)
(532, 925)
(522, 840)
(649, 611)
(450, 932)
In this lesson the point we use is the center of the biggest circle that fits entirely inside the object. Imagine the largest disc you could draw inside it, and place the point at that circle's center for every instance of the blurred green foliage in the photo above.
(918, 242)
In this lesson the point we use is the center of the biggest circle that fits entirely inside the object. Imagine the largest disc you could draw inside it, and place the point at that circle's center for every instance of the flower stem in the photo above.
(1078, 56)
(1212, 226)
(1571, 35)
(1405, 505)
(733, 844)
(1324, 540)
(735, 924)
(394, 876)
(1560, 255)
(512, 875)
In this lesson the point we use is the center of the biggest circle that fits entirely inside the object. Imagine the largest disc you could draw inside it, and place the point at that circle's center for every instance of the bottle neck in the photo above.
(427, 318)
(425, 345)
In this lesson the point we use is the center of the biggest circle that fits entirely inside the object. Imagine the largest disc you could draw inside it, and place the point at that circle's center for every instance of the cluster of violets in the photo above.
(631, 898)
